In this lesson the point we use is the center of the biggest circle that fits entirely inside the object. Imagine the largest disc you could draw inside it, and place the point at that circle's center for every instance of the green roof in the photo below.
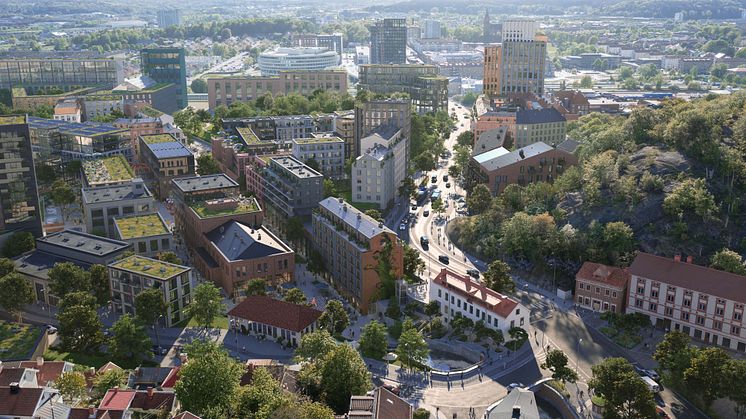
(248, 136)
(150, 267)
(12, 120)
(244, 206)
(108, 169)
(315, 140)
(141, 226)
(158, 138)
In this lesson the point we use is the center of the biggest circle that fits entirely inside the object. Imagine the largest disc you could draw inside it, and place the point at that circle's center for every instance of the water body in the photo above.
(447, 361)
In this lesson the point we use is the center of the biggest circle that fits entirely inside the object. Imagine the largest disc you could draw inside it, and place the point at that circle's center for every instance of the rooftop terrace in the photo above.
(247, 135)
(236, 206)
(146, 225)
(316, 140)
(149, 267)
(108, 169)
(158, 138)
(12, 120)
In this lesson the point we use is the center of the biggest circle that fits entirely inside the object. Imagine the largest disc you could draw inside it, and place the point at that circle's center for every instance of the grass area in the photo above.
(218, 323)
(17, 340)
(109, 169)
(141, 226)
(333, 139)
(247, 135)
(598, 401)
(12, 120)
(244, 206)
(622, 338)
(151, 267)
(362, 206)
(95, 360)
(158, 138)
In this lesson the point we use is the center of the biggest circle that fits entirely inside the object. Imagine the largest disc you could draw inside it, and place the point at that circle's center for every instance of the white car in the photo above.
(513, 386)
(402, 227)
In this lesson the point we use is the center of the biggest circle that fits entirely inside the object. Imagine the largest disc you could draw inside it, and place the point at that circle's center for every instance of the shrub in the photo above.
(421, 413)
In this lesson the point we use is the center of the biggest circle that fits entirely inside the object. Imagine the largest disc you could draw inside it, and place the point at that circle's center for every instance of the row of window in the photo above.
(686, 316)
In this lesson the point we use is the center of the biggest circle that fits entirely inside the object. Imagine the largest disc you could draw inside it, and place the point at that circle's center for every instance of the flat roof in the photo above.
(107, 169)
(168, 149)
(203, 183)
(84, 242)
(243, 206)
(318, 140)
(238, 241)
(353, 217)
(149, 267)
(113, 193)
(85, 129)
(296, 167)
(145, 225)
(158, 138)
(12, 120)
(247, 135)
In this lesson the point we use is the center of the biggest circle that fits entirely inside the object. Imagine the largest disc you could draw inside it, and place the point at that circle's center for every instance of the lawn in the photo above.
(145, 225)
(218, 323)
(362, 206)
(17, 340)
(151, 267)
(95, 360)
(622, 338)
(244, 206)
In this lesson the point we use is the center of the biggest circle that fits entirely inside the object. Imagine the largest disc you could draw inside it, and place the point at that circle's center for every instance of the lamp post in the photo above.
(577, 355)
(46, 304)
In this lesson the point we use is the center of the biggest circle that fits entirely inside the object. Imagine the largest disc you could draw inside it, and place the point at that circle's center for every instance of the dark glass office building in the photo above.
(388, 41)
(19, 199)
(166, 65)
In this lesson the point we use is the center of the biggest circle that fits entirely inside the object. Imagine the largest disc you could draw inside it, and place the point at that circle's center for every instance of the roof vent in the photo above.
(259, 237)
(15, 387)
(359, 216)
(163, 270)
(380, 225)
(521, 153)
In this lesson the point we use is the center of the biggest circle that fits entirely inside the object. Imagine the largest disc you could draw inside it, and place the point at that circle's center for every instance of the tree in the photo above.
(413, 263)
(206, 165)
(313, 164)
(690, 195)
(261, 398)
(586, 82)
(334, 319)
(314, 345)
(169, 257)
(295, 296)
(18, 244)
(149, 307)
(432, 309)
(207, 303)
(45, 173)
(294, 228)
(438, 206)
(80, 329)
(256, 286)
(210, 380)
(674, 355)
(374, 214)
(479, 199)
(412, 347)
(705, 374)
(15, 292)
(735, 385)
(465, 139)
(6, 266)
(498, 277)
(129, 339)
(100, 283)
(557, 363)
(393, 311)
(729, 261)
(199, 86)
(103, 382)
(373, 343)
(329, 188)
(72, 387)
(625, 393)
(421, 413)
(79, 298)
(343, 374)
(619, 240)
(66, 277)
(62, 194)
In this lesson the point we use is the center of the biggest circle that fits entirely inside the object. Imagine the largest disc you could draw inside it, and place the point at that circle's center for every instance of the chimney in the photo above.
(39, 361)
(521, 153)
(15, 387)
(150, 392)
(677, 258)
(91, 411)
(690, 259)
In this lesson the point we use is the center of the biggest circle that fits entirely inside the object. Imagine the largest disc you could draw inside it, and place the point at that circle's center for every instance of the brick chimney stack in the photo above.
(677, 258)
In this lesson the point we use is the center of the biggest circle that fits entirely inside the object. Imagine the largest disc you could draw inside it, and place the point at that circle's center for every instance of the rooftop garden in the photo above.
(150, 267)
(12, 120)
(247, 135)
(319, 140)
(108, 169)
(245, 205)
(151, 112)
(141, 226)
(158, 138)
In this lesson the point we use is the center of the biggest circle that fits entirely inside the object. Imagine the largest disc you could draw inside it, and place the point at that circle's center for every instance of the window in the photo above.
(653, 306)
(717, 325)
(735, 330)
(687, 302)
(719, 311)
(439, 293)
(598, 290)
(700, 320)
(608, 293)
(737, 316)
(670, 298)
(518, 311)
(638, 303)
(613, 294)
(669, 311)
(641, 290)
(685, 316)
(702, 305)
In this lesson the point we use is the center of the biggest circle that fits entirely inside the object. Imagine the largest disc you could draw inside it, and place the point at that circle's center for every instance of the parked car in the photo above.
(425, 213)
(448, 185)
(433, 179)
(512, 386)
(424, 240)
(652, 385)
(414, 207)
(444, 259)
(652, 374)
(51, 329)
(402, 227)
(445, 178)
(473, 273)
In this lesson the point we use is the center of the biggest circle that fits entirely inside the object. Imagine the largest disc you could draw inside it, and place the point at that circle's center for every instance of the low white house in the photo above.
(457, 294)
(274, 319)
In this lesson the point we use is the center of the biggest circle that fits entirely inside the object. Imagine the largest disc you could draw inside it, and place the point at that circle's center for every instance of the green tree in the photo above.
(72, 387)
(199, 86)
(705, 374)
(330, 188)
(261, 398)
(295, 296)
(294, 229)
(556, 362)
(421, 413)
(6, 266)
(334, 318)
(66, 277)
(100, 283)
(465, 139)
(735, 385)
(149, 307)
(374, 214)
(80, 329)
(256, 286)
(169, 257)
(206, 165)
(619, 240)
(479, 199)
(103, 382)
(373, 343)
(626, 395)
(15, 293)
(73, 168)
(343, 374)
(498, 277)
(413, 263)
(432, 309)
(45, 173)
(690, 195)
(674, 355)
(207, 304)
(210, 380)
(313, 164)
(438, 206)
(62, 195)
(393, 310)
(129, 339)
(412, 348)
(314, 346)
(18, 244)
(729, 261)
(586, 82)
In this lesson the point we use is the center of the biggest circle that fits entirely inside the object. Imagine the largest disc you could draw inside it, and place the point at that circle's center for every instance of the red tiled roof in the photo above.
(171, 378)
(109, 414)
(690, 276)
(79, 413)
(116, 399)
(48, 371)
(186, 415)
(598, 273)
(276, 313)
(108, 367)
(11, 375)
(476, 293)
(158, 400)
(22, 403)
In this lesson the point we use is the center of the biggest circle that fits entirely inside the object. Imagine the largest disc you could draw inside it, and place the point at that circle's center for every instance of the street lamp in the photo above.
(577, 355)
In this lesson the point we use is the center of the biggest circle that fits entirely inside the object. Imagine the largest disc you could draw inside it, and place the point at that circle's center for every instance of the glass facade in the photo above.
(388, 41)
(166, 65)
(63, 73)
(19, 199)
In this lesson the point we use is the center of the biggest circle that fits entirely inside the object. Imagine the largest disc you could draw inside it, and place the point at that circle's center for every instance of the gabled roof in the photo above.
(390, 406)
(267, 310)
(186, 415)
(490, 140)
(493, 160)
(116, 399)
(22, 402)
(156, 401)
(538, 116)
(237, 241)
(48, 371)
(477, 293)
(569, 145)
(598, 273)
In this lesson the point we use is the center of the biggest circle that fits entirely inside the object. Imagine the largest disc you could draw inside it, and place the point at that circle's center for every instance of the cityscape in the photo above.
(391, 210)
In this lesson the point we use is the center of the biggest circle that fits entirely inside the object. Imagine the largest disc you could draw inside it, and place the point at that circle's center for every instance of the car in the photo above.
(448, 185)
(473, 272)
(157, 350)
(513, 386)
(424, 240)
(402, 227)
(640, 370)
(414, 207)
(433, 179)
(425, 213)
(51, 329)
(445, 178)
(444, 259)
(652, 374)
(405, 220)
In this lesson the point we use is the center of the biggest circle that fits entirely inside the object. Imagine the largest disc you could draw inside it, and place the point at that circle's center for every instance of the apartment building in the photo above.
(133, 275)
(229, 89)
(101, 204)
(291, 188)
(601, 288)
(344, 128)
(705, 303)
(422, 82)
(54, 139)
(147, 233)
(349, 242)
(381, 168)
(374, 114)
(138, 127)
(326, 150)
(37, 73)
(388, 41)
(165, 158)
(516, 66)
(534, 125)
(460, 295)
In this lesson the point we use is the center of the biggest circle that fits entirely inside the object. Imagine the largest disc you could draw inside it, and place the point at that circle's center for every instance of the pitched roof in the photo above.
(20, 403)
(158, 400)
(390, 406)
(493, 160)
(47, 372)
(11, 375)
(477, 293)
(490, 140)
(569, 145)
(186, 415)
(116, 399)
(237, 241)
(276, 313)
(538, 116)
(602, 274)
(690, 276)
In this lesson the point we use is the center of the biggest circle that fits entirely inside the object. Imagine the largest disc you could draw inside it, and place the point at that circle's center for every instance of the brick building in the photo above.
(601, 288)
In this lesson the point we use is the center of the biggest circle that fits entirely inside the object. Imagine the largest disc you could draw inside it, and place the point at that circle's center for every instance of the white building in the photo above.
(326, 150)
(362, 55)
(431, 29)
(274, 319)
(68, 110)
(705, 303)
(299, 58)
(461, 295)
(381, 168)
